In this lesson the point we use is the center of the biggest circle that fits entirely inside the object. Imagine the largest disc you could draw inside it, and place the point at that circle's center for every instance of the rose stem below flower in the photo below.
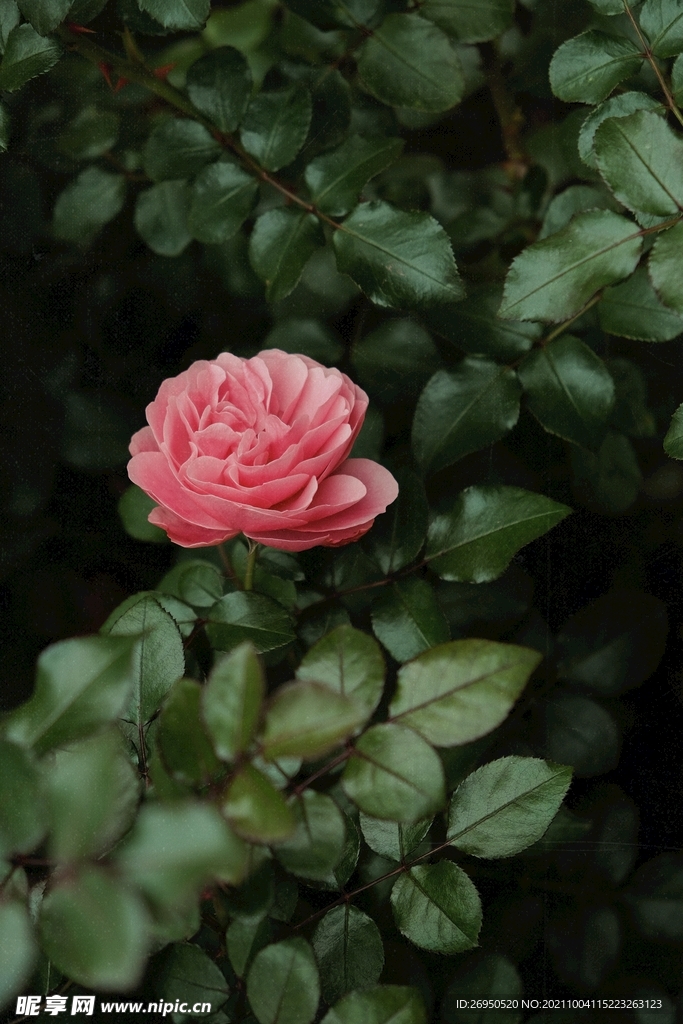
(251, 562)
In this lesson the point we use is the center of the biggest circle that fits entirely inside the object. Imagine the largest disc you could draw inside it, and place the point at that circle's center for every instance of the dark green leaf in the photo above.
(317, 844)
(349, 663)
(462, 690)
(569, 390)
(473, 326)
(633, 310)
(307, 719)
(348, 947)
(437, 907)
(586, 68)
(677, 79)
(665, 267)
(91, 133)
(161, 216)
(158, 656)
(256, 810)
(394, 774)
(655, 897)
(281, 244)
(506, 805)
(476, 542)
(337, 879)
(5, 128)
(492, 977)
(283, 986)
(409, 62)
(383, 1004)
(185, 747)
(336, 179)
(247, 616)
(223, 196)
(188, 975)
(608, 6)
(134, 506)
(470, 21)
(94, 929)
(641, 159)
(407, 619)
(276, 126)
(193, 581)
(329, 14)
(231, 701)
(391, 839)
(575, 199)
(81, 686)
(630, 414)
(18, 950)
(178, 148)
(554, 278)
(9, 19)
(26, 55)
(579, 732)
(610, 479)
(243, 940)
(83, 11)
(307, 337)
(463, 410)
(673, 442)
(399, 534)
(22, 814)
(662, 23)
(88, 203)
(219, 84)
(181, 15)
(395, 360)
(616, 106)
(398, 259)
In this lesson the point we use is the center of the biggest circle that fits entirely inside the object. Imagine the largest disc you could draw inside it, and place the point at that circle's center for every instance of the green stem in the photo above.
(649, 56)
(251, 563)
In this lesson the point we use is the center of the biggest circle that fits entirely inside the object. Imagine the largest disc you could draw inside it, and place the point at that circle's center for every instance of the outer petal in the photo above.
(187, 535)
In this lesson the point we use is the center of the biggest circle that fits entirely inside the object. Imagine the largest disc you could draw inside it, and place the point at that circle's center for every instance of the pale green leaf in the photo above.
(306, 719)
(255, 809)
(283, 986)
(349, 663)
(231, 701)
(18, 950)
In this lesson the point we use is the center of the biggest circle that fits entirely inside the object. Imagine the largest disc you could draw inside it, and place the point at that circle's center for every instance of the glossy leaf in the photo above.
(348, 947)
(476, 542)
(554, 278)
(462, 690)
(178, 148)
(243, 939)
(395, 360)
(193, 581)
(185, 746)
(383, 1004)
(87, 203)
(244, 616)
(394, 774)
(18, 951)
(575, 199)
(256, 810)
(616, 106)
(470, 22)
(664, 266)
(662, 23)
(399, 259)
(641, 159)
(219, 84)
(407, 619)
(463, 410)
(181, 15)
(22, 814)
(276, 125)
(223, 196)
(633, 310)
(437, 907)
(161, 217)
(329, 14)
(349, 663)
(231, 701)
(673, 442)
(44, 15)
(81, 686)
(409, 62)
(392, 839)
(586, 68)
(399, 534)
(336, 179)
(307, 719)
(506, 805)
(283, 986)
(26, 55)
(317, 844)
(473, 326)
(281, 244)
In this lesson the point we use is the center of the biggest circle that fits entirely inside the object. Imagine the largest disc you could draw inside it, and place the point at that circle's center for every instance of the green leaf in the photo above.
(655, 897)
(307, 719)
(641, 159)
(348, 947)
(88, 203)
(662, 23)
(5, 128)
(664, 266)
(673, 442)
(92, 794)
(256, 810)
(569, 390)
(586, 68)
(26, 55)
(408, 619)
(44, 15)
(185, 746)
(231, 701)
(337, 879)
(462, 690)
(83, 11)
(181, 15)
(616, 106)
(9, 19)
(18, 950)
(476, 542)
(329, 14)
(283, 986)
(409, 62)
(383, 1004)
(187, 975)
(281, 244)
(349, 663)
(317, 844)
(193, 581)
(391, 839)
(395, 360)
(178, 148)
(470, 21)
(219, 84)
(393, 773)
(609, 480)
(633, 310)
(463, 410)
(93, 927)
(398, 259)
(92, 133)
(243, 940)
(81, 686)
(608, 6)
(133, 507)
(308, 337)
(554, 278)
(677, 80)
(276, 126)
(22, 814)
(398, 535)
(336, 179)
(575, 199)
(492, 977)
(437, 907)
(223, 196)
(580, 732)
(158, 658)
(506, 805)
(630, 414)
(244, 615)
(473, 326)
(161, 217)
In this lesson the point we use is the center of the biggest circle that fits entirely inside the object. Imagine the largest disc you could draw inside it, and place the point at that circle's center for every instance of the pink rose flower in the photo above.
(259, 446)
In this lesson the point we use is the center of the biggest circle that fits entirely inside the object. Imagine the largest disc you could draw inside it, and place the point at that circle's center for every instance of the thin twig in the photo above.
(649, 56)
